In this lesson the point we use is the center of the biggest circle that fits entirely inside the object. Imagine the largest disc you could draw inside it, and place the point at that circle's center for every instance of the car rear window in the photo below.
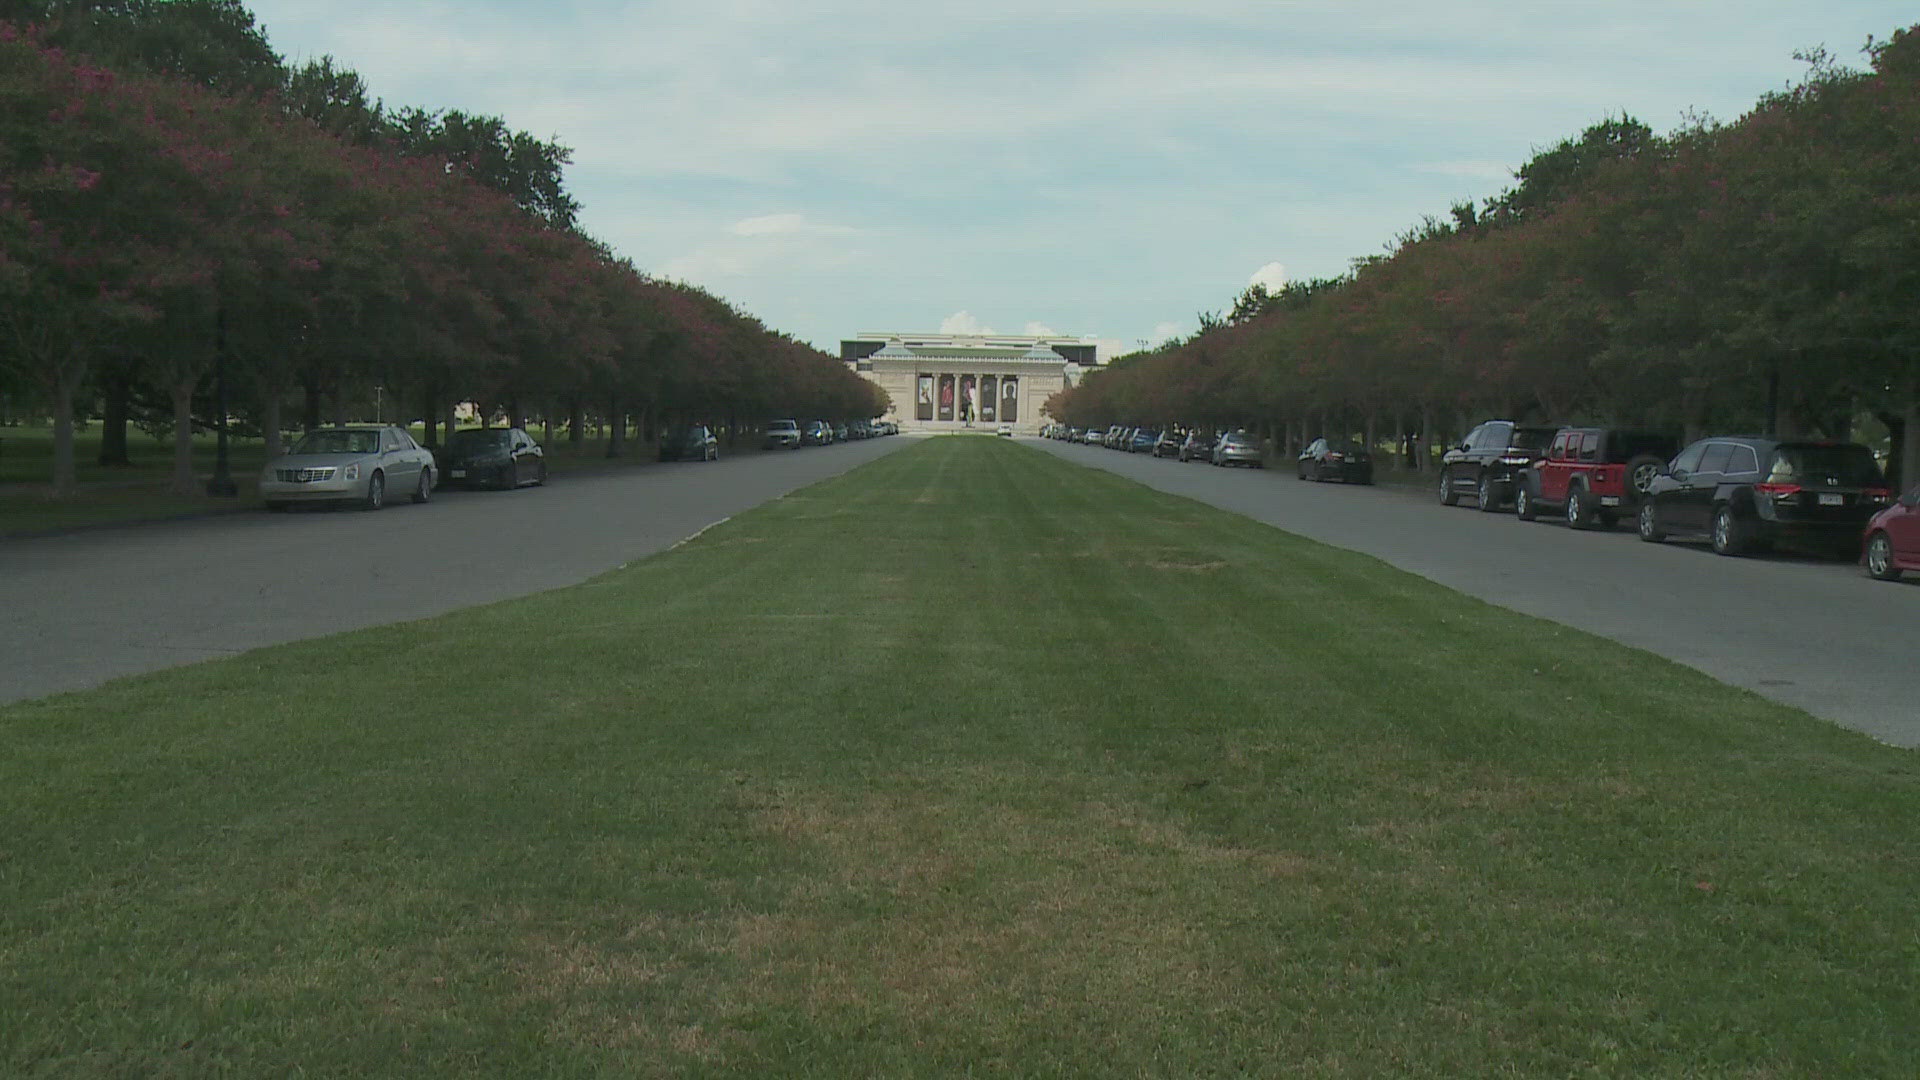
(476, 438)
(1842, 463)
(1533, 438)
(1624, 446)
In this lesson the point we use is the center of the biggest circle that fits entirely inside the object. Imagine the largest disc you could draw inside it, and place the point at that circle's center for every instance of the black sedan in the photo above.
(491, 457)
(695, 443)
(1335, 459)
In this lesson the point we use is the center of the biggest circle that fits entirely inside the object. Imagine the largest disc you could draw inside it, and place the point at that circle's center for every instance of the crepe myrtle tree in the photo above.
(96, 203)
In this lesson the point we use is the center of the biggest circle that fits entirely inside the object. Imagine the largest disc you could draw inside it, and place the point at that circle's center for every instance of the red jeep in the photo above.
(1592, 475)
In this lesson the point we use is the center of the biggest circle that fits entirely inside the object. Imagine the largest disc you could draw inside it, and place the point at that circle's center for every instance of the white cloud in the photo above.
(778, 225)
(1273, 276)
(963, 322)
(1162, 333)
(1040, 329)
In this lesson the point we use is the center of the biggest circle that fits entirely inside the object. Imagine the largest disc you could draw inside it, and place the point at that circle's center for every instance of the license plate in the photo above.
(458, 474)
(1609, 500)
(1832, 500)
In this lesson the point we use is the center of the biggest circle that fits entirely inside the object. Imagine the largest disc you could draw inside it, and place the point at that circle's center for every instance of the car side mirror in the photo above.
(1462, 446)
(1677, 474)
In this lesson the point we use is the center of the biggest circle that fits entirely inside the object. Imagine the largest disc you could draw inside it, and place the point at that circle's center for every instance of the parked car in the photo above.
(1005, 429)
(1892, 540)
(356, 463)
(1742, 493)
(1341, 459)
(1486, 462)
(695, 442)
(1238, 448)
(491, 457)
(1092, 436)
(1197, 446)
(1592, 475)
(815, 433)
(782, 435)
(840, 432)
(1168, 444)
(1143, 441)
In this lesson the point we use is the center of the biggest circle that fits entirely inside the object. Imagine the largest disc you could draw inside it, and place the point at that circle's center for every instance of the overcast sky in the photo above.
(1105, 168)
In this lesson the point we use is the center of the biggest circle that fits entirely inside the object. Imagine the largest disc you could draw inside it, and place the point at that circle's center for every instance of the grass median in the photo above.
(968, 761)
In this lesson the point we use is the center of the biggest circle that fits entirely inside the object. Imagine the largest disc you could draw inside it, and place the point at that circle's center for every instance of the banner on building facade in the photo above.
(946, 398)
(923, 398)
(987, 398)
(1009, 400)
(969, 404)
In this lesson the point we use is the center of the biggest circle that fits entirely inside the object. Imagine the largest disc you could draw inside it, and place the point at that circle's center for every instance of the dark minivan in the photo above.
(1742, 493)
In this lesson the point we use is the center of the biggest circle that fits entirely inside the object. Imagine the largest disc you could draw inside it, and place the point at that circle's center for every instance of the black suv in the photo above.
(1485, 463)
(1742, 493)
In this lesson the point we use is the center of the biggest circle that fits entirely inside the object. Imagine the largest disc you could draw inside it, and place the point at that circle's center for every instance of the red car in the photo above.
(1892, 541)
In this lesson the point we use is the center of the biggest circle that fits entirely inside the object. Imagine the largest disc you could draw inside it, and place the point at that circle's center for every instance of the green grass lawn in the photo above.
(968, 762)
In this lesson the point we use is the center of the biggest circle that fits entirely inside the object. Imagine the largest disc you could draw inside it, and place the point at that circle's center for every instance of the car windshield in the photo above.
(478, 439)
(1239, 440)
(783, 425)
(1843, 464)
(338, 442)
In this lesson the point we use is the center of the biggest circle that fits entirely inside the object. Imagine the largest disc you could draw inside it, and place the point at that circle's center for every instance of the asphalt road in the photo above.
(86, 607)
(1815, 634)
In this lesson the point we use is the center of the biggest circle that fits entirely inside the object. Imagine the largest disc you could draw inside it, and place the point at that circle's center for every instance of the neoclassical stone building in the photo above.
(942, 382)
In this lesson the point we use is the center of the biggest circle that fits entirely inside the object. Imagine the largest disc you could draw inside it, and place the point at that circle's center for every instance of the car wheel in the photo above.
(1448, 497)
(1880, 558)
(424, 489)
(1579, 514)
(1729, 535)
(1523, 504)
(1649, 524)
(1640, 473)
(1488, 494)
(376, 492)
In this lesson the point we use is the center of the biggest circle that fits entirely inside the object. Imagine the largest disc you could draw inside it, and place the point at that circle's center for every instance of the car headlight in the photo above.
(351, 472)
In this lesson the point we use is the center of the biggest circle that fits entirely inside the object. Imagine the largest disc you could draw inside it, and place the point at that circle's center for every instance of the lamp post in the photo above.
(221, 485)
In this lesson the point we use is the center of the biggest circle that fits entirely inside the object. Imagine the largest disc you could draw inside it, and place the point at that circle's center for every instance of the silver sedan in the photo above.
(358, 463)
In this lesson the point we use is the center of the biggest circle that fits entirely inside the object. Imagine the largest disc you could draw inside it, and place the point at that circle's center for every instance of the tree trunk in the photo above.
(546, 424)
(449, 417)
(66, 382)
(182, 393)
(429, 417)
(1423, 442)
(270, 424)
(1909, 461)
(113, 422)
(310, 405)
(576, 422)
(616, 428)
